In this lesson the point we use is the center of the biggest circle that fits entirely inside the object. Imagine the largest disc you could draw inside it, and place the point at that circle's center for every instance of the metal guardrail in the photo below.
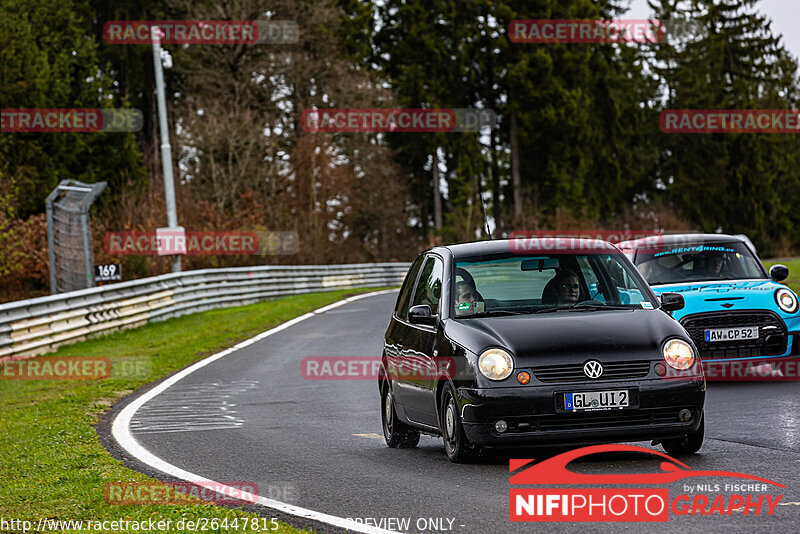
(36, 326)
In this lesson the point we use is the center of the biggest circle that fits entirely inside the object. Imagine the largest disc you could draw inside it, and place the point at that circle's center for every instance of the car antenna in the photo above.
(483, 209)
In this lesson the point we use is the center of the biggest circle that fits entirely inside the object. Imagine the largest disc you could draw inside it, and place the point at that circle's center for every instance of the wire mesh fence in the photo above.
(69, 238)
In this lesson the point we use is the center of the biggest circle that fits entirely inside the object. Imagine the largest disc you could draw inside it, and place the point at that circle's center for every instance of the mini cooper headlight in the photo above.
(678, 354)
(786, 300)
(495, 364)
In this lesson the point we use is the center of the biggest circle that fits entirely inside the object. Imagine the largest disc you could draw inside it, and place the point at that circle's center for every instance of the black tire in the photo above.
(397, 434)
(688, 444)
(456, 445)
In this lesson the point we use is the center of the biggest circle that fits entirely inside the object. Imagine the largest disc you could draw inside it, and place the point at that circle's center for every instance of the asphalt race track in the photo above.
(251, 416)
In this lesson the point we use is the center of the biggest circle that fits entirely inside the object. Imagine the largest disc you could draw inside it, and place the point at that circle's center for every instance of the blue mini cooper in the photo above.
(734, 308)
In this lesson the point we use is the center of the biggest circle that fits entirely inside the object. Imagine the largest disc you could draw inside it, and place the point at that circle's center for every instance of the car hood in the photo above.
(569, 336)
(701, 297)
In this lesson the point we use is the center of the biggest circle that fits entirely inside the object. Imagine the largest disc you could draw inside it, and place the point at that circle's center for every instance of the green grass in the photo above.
(794, 272)
(52, 464)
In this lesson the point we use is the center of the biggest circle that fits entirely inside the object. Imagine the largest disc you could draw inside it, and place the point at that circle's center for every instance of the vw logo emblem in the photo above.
(593, 369)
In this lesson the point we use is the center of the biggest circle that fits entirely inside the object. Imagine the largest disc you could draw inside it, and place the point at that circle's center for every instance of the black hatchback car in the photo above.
(555, 342)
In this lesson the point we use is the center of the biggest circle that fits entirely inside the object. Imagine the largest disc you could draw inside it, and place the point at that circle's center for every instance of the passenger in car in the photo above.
(714, 265)
(649, 270)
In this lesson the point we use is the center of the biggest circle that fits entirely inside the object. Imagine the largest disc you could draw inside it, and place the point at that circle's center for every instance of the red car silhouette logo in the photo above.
(554, 470)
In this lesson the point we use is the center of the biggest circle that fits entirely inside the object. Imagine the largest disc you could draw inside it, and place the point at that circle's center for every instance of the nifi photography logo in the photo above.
(576, 503)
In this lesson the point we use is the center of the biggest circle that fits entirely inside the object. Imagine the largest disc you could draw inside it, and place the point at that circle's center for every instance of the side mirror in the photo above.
(421, 314)
(672, 302)
(779, 272)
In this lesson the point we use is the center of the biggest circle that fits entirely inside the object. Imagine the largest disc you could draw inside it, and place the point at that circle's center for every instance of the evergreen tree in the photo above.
(49, 59)
(737, 182)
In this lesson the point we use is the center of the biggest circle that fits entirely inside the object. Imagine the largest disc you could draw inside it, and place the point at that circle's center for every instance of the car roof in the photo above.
(681, 239)
(498, 246)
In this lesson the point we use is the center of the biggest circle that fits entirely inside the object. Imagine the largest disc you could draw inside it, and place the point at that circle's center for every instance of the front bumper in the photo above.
(533, 418)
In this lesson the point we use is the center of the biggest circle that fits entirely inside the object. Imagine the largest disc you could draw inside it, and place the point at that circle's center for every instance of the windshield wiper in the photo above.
(489, 313)
(548, 310)
(592, 307)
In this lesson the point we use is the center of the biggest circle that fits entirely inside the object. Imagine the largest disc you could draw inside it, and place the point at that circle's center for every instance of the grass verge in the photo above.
(52, 463)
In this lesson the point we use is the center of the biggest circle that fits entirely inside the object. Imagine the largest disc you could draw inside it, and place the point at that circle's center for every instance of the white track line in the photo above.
(120, 430)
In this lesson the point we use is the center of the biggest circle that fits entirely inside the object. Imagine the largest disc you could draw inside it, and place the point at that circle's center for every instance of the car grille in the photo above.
(772, 335)
(574, 372)
(592, 420)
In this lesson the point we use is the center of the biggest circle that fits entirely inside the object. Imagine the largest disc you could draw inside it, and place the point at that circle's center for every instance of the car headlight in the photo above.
(678, 354)
(495, 364)
(786, 300)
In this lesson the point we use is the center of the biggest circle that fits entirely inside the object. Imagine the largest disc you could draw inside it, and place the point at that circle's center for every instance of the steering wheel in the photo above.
(679, 265)
(696, 276)
(590, 301)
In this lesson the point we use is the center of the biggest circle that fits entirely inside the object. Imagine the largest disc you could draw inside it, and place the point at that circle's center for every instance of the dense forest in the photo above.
(577, 142)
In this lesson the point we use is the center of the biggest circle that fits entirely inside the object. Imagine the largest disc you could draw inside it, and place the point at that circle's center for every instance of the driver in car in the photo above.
(714, 265)
(568, 288)
(466, 299)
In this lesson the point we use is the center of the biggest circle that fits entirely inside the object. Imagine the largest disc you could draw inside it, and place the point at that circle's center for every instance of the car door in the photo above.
(417, 372)
(399, 327)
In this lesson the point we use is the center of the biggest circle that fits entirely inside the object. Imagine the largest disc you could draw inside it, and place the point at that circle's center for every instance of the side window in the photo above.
(624, 284)
(408, 285)
(630, 295)
(429, 288)
(592, 283)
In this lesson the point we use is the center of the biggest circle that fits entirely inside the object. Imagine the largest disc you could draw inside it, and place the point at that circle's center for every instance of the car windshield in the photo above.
(512, 284)
(695, 262)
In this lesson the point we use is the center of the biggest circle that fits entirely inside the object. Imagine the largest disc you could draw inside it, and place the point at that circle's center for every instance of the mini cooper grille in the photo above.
(608, 421)
(574, 372)
(771, 340)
